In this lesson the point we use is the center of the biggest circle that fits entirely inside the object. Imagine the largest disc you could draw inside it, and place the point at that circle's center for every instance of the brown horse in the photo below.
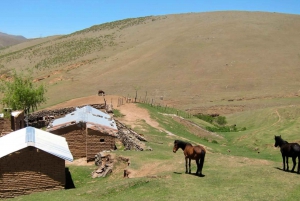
(191, 152)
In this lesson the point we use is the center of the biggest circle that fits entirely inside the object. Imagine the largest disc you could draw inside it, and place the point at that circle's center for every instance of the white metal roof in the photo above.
(30, 136)
(16, 113)
(86, 114)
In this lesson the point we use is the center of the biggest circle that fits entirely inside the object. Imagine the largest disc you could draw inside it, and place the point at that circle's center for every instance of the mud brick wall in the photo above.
(30, 170)
(75, 136)
(97, 142)
(5, 126)
(18, 122)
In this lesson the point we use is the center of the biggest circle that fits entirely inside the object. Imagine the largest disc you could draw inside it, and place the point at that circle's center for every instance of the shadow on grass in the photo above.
(285, 170)
(194, 174)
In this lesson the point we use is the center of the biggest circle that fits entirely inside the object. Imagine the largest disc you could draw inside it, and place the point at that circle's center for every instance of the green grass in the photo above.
(241, 174)
(117, 113)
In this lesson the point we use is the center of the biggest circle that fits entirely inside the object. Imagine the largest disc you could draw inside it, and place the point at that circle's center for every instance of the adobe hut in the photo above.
(32, 160)
(15, 122)
(87, 130)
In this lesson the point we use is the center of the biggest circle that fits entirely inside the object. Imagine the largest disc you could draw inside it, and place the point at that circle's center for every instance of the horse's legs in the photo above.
(298, 165)
(283, 162)
(287, 163)
(294, 163)
(198, 166)
(186, 165)
(190, 166)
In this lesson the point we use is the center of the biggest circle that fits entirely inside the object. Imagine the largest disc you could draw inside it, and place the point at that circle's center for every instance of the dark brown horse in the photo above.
(191, 152)
(288, 150)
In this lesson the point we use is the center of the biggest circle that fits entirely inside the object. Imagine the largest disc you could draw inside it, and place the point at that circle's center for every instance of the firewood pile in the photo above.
(104, 162)
(130, 139)
(42, 118)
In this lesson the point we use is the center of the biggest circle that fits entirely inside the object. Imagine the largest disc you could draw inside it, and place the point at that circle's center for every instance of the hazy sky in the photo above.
(41, 18)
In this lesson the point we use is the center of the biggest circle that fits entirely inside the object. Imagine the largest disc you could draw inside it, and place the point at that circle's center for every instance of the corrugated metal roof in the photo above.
(16, 113)
(29, 136)
(86, 114)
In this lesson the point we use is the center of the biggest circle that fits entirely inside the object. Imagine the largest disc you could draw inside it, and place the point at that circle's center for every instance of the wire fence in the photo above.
(155, 103)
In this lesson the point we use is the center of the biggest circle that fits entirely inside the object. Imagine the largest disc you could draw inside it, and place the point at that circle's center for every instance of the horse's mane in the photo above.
(278, 138)
(182, 142)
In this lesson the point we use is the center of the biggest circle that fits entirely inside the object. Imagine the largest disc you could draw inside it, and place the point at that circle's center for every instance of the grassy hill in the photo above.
(8, 40)
(191, 60)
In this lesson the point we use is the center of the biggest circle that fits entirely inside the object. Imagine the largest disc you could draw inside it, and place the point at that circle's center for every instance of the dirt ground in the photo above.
(132, 113)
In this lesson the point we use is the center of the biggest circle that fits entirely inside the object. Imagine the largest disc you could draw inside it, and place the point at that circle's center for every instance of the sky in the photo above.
(42, 18)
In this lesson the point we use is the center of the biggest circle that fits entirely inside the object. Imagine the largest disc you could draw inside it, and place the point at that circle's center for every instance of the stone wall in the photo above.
(30, 170)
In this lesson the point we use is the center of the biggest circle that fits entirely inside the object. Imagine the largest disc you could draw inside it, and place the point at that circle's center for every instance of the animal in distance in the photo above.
(101, 93)
(191, 152)
(288, 150)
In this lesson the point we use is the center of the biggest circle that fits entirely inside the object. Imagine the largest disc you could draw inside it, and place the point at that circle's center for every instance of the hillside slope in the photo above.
(188, 60)
(8, 40)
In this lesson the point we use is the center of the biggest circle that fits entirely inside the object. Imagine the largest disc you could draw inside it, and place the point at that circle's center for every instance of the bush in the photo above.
(205, 117)
(221, 120)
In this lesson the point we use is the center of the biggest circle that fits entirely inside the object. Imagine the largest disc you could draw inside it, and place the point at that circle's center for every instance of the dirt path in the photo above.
(132, 113)
(133, 116)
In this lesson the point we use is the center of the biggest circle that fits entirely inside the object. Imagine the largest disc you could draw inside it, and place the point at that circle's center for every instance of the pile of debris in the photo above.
(104, 162)
(130, 139)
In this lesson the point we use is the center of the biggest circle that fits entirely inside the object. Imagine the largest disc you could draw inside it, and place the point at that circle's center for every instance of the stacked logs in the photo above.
(130, 139)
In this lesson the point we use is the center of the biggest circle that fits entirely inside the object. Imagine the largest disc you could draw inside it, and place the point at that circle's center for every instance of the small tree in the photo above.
(221, 120)
(21, 93)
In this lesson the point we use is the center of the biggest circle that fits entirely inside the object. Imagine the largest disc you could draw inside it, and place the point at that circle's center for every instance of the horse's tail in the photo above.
(203, 152)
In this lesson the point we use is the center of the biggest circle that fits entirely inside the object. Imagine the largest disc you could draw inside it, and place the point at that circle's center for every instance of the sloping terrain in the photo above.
(242, 64)
(8, 40)
(188, 60)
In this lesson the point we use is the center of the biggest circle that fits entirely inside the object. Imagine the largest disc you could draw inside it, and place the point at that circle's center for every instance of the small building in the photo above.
(15, 122)
(87, 130)
(32, 160)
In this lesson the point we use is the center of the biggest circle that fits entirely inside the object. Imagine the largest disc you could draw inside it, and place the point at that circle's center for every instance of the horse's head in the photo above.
(278, 141)
(176, 147)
